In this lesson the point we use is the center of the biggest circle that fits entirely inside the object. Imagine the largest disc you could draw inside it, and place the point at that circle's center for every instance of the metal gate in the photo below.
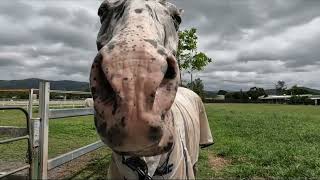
(38, 130)
(27, 135)
(47, 114)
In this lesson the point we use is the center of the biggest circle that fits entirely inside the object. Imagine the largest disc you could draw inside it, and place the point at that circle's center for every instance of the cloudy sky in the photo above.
(252, 42)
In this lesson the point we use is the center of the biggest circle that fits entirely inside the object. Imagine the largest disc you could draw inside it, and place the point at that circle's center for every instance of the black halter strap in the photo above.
(137, 165)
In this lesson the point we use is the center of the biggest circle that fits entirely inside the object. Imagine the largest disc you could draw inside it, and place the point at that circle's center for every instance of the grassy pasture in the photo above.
(266, 141)
(252, 141)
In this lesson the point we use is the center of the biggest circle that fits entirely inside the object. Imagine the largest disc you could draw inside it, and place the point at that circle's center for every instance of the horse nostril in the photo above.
(155, 133)
(171, 72)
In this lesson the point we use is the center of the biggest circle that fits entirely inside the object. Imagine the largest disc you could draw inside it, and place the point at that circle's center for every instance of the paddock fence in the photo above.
(18, 134)
(38, 132)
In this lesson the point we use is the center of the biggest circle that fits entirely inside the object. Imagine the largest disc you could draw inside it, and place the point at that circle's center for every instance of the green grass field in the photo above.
(264, 141)
(252, 141)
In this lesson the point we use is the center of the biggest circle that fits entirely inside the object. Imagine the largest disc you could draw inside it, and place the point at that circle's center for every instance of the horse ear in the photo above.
(181, 12)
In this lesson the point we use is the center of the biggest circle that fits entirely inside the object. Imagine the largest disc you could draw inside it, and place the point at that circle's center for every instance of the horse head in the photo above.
(134, 78)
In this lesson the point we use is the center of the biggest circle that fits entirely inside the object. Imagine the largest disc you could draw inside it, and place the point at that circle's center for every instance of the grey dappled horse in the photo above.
(153, 127)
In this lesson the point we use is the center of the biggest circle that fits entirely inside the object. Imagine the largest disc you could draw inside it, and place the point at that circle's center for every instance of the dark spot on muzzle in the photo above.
(138, 11)
(170, 87)
(111, 46)
(101, 128)
(93, 92)
(163, 116)
(123, 121)
(115, 136)
(155, 133)
(115, 107)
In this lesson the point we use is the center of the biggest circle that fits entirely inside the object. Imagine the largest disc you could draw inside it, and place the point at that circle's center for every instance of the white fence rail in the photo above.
(53, 104)
(45, 115)
(62, 159)
(39, 129)
(63, 113)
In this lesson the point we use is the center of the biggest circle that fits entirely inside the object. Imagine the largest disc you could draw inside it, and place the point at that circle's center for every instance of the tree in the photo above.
(255, 93)
(280, 87)
(187, 55)
(222, 92)
(198, 87)
(240, 96)
(295, 90)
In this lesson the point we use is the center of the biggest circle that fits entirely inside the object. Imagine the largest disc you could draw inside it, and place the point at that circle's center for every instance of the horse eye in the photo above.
(101, 11)
(177, 18)
(177, 21)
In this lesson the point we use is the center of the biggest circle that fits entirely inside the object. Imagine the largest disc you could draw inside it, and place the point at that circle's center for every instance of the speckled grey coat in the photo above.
(134, 77)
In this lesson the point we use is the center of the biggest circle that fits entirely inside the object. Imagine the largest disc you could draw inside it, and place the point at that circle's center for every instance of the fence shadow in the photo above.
(95, 169)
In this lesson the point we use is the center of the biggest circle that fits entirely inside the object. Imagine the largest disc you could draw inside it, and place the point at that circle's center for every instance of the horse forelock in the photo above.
(112, 14)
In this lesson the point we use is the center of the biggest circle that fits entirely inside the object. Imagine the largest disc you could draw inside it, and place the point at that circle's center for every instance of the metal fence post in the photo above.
(30, 103)
(35, 123)
(34, 165)
(44, 95)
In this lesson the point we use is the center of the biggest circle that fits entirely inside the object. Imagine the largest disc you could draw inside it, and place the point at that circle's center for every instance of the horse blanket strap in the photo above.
(165, 168)
(138, 165)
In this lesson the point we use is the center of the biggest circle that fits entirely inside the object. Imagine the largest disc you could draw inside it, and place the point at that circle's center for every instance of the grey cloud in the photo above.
(72, 36)
(13, 34)
(11, 59)
(57, 39)
(252, 42)
(4, 62)
(54, 12)
(299, 53)
(17, 10)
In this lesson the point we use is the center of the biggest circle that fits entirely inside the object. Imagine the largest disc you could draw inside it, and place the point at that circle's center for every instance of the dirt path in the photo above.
(217, 163)
(93, 165)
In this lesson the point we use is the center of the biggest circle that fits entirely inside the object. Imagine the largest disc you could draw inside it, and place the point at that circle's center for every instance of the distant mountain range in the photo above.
(34, 83)
(268, 91)
(312, 91)
(84, 86)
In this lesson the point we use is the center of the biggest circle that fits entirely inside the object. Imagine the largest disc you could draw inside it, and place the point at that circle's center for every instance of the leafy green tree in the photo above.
(295, 90)
(255, 93)
(280, 87)
(198, 87)
(188, 57)
(237, 96)
(222, 92)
